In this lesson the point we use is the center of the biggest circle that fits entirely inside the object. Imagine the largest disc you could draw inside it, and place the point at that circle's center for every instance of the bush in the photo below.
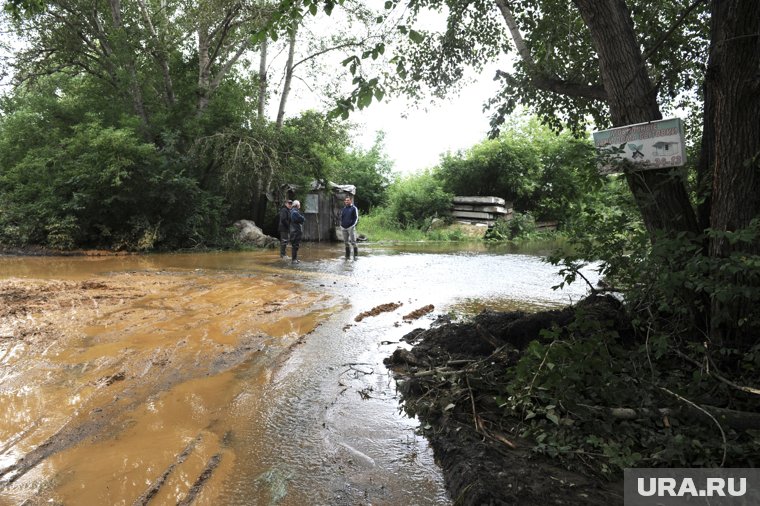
(522, 225)
(416, 199)
(98, 186)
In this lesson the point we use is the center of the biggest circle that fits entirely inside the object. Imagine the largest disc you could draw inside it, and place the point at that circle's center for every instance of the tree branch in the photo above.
(327, 50)
(672, 29)
(537, 77)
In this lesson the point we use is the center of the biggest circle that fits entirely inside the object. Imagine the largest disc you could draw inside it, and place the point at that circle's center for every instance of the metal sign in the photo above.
(653, 145)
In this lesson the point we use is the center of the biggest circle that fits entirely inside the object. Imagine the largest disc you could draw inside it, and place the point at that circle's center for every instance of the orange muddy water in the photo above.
(229, 378)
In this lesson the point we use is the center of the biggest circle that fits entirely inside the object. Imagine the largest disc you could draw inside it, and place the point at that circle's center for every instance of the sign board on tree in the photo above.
(653, 145)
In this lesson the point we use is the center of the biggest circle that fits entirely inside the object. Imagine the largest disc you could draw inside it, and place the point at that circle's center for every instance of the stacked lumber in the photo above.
(484, 210)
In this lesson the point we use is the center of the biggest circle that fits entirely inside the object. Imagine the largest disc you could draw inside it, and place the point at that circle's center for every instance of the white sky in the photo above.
(416, 138)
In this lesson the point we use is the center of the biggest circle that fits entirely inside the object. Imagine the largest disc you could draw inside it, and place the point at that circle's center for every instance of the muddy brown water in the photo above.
(230, 378)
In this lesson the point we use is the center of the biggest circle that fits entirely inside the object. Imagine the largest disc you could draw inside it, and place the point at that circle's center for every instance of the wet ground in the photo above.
(230, 378)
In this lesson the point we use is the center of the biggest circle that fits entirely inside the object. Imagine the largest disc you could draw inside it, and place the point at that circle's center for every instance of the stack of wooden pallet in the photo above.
(484, 210)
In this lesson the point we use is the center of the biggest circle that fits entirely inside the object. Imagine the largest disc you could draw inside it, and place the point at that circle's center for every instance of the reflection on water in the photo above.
(238, 367)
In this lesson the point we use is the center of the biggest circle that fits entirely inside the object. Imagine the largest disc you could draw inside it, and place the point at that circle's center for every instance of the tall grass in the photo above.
(380, 226)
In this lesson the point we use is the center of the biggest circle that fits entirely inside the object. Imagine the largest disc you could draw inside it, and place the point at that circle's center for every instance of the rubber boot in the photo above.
(283, 245)
(356, 252)
(295, 256)
(348, 253)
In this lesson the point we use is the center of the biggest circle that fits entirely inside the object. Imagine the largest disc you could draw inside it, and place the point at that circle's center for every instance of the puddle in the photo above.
(230, 378)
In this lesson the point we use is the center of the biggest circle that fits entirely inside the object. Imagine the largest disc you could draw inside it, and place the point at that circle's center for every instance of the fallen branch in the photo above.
(717, 376)
(737, 420)
(701, 409)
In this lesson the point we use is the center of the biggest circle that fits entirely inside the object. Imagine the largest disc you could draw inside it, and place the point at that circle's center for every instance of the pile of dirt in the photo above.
(446, 380)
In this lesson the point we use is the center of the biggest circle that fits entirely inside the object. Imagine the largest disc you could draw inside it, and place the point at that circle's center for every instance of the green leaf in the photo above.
(416, 36)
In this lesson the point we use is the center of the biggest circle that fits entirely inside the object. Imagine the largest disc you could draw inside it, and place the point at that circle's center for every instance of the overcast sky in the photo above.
(416, 138)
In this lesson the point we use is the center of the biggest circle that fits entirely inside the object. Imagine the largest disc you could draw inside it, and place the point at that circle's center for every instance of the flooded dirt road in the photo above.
(229, 378)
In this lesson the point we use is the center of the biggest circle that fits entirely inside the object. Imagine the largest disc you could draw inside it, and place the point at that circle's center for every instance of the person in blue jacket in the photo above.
(349, 217)
(296, 230)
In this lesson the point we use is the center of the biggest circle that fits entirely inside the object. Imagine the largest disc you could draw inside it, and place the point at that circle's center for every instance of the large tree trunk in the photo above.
(735, 85)
(732, 152)
(660, 193)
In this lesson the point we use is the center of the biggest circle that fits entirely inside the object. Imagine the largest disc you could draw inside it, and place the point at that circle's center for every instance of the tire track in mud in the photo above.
(174, 346)
(102, 418)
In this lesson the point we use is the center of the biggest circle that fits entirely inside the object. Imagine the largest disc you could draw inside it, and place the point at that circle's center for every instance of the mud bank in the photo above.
(450, 378)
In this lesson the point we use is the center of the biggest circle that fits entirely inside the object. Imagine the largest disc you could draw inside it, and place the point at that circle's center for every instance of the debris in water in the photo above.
(382, 308)
(417, 313)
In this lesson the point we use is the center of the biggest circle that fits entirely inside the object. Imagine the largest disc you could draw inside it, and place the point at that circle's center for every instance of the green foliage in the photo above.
(529, 165)
(567, 387)
(687, 290)
(381, 225)
(370, 171)
(606, 226)
(508, 168)
(68, 179)
(522, 225)
(73, 178)
(415, 199)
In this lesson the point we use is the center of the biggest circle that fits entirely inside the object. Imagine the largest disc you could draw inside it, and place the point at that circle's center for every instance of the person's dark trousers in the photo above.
(295, 243)
(284, 238)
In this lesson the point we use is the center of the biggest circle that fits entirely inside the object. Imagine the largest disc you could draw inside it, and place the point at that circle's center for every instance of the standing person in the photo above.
(349, 217)
(296, 230)
(283, 226)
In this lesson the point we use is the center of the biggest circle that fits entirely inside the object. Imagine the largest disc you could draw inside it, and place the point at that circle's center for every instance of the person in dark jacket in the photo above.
(349, 217)
(296, 230)
(283, 227)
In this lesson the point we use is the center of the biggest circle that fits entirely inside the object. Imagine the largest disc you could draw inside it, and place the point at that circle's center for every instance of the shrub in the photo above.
(417, 199)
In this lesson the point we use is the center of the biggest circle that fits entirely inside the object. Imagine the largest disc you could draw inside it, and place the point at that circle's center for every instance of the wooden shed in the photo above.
(322, 206)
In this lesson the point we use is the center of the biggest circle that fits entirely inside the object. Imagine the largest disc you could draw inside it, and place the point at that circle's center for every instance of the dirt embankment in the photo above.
(446, 380)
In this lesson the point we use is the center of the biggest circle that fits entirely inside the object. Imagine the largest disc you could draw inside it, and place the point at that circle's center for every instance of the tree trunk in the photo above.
(124, 51)
(160, 54)
(204, 69)
(288, 76)
(733, 154)
(735, 85)
(660, 193)
(263, 83)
